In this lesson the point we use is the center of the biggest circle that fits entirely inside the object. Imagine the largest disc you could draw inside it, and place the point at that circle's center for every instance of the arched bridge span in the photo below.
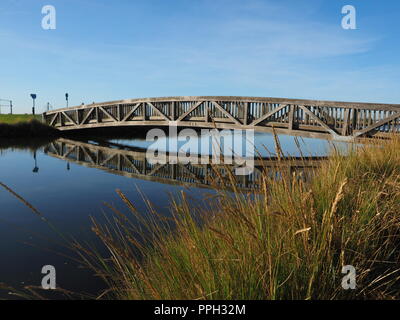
(308, 118)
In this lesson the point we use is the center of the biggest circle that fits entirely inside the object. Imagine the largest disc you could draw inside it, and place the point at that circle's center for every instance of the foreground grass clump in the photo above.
(289, 241)
(29, 129)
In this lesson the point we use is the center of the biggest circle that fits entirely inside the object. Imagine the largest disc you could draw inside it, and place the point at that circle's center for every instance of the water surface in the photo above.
(68, 191)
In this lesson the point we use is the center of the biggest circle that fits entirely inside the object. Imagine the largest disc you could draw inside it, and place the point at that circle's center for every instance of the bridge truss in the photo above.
(309, 118)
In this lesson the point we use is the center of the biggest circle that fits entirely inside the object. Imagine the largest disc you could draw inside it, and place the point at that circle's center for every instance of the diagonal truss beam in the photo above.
(54, 119)
(87, 153)
(269, 114)
(69, 118)
(130, 113)
(156, 169)
(195, 106)
(108, 114)
(69, 151)
(378, 124)
(219, 107)
(318, 120)
(87, 116)
(158, 111)
(133, 166)
(186, 169)
(104, 162)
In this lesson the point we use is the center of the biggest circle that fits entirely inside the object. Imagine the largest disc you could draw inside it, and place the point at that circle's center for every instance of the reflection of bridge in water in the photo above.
(132, 162)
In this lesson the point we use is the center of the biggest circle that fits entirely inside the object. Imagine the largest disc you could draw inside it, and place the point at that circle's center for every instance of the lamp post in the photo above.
(66, 98)
(36, 168)
(33, 96)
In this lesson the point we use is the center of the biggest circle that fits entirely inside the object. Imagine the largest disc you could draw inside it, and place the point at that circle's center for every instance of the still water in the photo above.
(68, 181)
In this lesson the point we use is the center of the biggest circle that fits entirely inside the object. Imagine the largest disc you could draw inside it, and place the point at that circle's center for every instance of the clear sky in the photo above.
(107, 50)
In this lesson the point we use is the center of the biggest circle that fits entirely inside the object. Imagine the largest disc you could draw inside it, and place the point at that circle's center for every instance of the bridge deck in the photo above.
(310, 118)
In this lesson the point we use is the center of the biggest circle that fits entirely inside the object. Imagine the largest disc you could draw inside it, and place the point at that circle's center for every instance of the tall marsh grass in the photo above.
(289, 240)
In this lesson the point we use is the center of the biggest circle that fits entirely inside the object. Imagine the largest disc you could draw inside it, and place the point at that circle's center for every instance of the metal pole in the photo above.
(33, 96)
(11, 106)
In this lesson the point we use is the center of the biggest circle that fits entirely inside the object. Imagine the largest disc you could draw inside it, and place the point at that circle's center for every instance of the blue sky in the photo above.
(107, 50)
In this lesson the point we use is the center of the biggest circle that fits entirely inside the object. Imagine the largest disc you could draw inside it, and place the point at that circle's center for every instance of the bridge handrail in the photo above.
(306, 102)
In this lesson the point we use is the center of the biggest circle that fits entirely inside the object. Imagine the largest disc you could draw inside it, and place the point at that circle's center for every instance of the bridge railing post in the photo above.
(97, 115)
(354, 120)
(246, 113)
(346, 120)
(291, 116)
(172, 111)
(119, 112)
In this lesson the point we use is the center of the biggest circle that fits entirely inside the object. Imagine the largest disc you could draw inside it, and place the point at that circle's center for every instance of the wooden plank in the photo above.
(172, 111)
(119, 112)
(346, 120)
(291, 116)
(98, 120)
(246, 113)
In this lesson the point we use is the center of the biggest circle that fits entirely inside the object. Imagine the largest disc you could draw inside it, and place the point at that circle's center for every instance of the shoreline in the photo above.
(28, 129)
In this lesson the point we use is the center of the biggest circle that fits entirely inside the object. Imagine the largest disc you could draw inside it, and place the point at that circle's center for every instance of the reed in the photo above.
(287, 240)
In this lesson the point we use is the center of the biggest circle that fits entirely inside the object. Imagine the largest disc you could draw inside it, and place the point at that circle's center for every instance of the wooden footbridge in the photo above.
(309, 118)
(133, 162)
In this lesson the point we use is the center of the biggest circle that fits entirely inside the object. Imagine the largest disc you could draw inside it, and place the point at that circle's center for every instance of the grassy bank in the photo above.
(27, 130)
(288, 242)
(16, 118)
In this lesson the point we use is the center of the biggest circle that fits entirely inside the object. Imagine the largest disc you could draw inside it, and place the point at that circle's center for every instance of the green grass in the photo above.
(289, 240)
(27, 130)
(16, 118)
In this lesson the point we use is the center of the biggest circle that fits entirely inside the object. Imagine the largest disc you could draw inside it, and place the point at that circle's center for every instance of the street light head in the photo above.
(33, 96)
(66, 96)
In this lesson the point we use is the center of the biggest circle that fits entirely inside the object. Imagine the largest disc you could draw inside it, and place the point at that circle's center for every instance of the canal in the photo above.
(68, 189)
